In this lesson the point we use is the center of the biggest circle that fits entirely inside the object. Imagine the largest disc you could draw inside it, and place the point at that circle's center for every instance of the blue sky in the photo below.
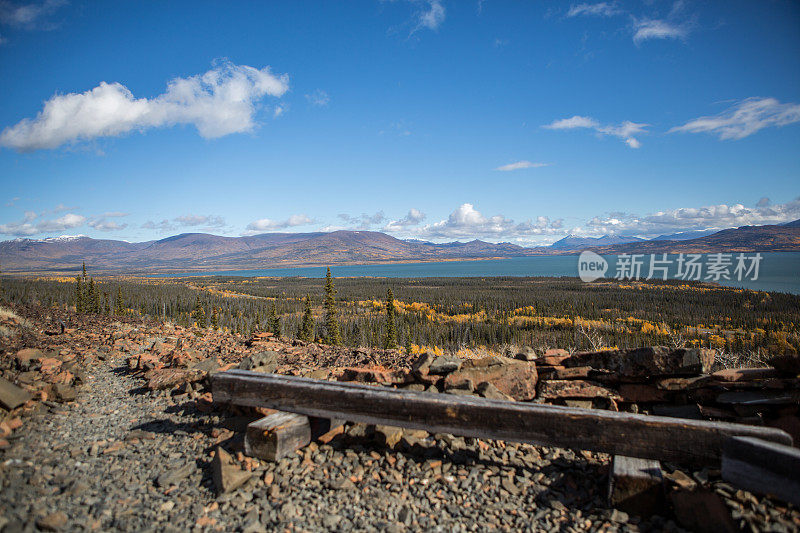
(430, 119)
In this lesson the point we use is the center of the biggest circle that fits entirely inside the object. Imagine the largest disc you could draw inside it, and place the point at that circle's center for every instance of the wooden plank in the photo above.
(276, 436)
(636, 485)
(763, 467)
(667, 439)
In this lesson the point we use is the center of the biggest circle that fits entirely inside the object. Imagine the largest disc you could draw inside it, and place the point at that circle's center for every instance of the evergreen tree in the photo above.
(390, 342)
(106, 300)
(199, 314)
(274, 322)
(332, 334)
(215, 317)
(307, 327)
(119, 305)
(84, 272)
(408, 343)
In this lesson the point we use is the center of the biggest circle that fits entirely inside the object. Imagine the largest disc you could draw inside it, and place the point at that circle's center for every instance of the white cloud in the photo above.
(318, 98)
(413, 218)
(695, 218)
(520, 165)
(220, 102)
(265, 224)
(624, 131)
(164, 226)
(27, 226)
(466, 222)
(106, 225)
(645, 29)
(363, 221)
(431, 17)
(603, 9)
(208, 222)
(744, 119)
(199, 220)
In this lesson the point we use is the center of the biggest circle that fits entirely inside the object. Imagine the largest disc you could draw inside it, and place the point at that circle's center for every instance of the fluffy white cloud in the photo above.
(744, 118)
(603, 9)
(466, 222)
(413, 218)
(220, 102)
(519, 165)
(694, 218)
(658, 29)
(624, 131)
(265, 224)
(27, 226)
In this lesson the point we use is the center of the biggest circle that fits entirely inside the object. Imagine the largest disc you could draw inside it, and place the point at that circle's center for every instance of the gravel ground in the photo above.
(124, 458)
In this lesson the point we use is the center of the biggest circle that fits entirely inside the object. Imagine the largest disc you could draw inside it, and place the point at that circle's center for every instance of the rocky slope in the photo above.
(117, 432)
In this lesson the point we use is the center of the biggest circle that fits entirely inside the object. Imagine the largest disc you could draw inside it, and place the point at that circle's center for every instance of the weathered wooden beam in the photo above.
(763, 467)
(636, 485)
(668, 439)
(275, 436)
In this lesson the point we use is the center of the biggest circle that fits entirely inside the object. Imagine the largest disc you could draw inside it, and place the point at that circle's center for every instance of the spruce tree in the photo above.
(307, 327)
(390, 342)
(274, 322)
(332, 334)
(215, 317)
(199, 314)
(119, 305)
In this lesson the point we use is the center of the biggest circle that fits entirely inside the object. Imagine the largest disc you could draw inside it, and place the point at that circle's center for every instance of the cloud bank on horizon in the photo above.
(465, 222)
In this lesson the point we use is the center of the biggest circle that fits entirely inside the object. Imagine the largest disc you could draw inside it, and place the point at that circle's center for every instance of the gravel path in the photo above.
(123, 458)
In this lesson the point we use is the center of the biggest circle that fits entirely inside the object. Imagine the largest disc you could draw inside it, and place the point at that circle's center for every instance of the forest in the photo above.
(448, 314)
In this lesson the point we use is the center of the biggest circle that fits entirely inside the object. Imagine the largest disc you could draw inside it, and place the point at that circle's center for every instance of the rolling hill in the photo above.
(197, 252)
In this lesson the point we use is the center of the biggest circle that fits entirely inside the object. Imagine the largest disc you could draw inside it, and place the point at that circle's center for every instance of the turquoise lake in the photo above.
(778, 271)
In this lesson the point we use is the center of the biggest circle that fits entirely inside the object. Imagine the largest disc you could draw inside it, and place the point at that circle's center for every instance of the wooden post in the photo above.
(636, 486)
(763, 467)
(668, 439)
(276, 436)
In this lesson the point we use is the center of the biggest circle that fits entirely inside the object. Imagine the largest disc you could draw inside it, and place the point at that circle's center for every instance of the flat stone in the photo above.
(563, 388)
(444, 365)
(515, 378)
(52, 522)
(12, 396)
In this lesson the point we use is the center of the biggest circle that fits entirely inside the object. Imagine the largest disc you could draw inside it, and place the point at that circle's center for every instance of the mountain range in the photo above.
(197, 252)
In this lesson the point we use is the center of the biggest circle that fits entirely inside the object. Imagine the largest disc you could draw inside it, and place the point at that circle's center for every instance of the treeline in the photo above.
(449, 313)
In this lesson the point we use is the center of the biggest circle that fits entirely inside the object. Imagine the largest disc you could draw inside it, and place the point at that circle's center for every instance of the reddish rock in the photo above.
(514, 378)
(551, 360)
(649, 361)
(168, 378)
(745, 374)
(574, 388)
